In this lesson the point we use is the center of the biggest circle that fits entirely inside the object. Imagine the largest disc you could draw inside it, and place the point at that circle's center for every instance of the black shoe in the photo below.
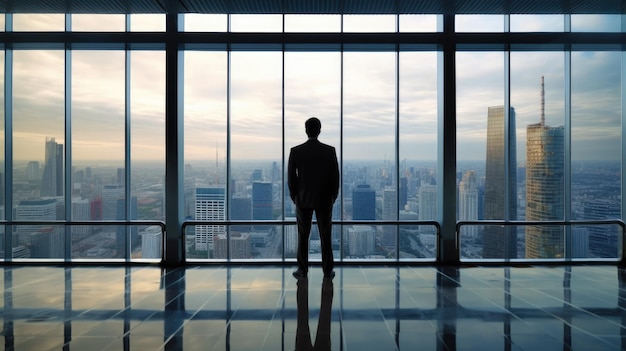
(299, 274)
(329, 275)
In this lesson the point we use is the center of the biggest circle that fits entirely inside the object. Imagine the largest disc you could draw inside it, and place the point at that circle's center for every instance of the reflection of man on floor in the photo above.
(303, 334)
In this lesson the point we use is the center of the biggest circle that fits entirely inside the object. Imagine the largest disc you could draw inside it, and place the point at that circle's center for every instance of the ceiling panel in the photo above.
(317, 6)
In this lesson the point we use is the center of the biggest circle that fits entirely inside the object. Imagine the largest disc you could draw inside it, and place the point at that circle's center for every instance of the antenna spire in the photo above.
(543, 103)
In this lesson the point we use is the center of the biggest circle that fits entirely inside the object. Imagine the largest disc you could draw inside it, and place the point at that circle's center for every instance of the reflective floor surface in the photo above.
(362, 308)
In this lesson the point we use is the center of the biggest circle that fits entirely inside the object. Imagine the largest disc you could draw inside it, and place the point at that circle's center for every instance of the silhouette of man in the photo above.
(313, 179)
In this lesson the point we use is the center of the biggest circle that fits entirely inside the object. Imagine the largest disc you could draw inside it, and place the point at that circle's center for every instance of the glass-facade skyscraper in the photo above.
(500, 242)
(544, 190)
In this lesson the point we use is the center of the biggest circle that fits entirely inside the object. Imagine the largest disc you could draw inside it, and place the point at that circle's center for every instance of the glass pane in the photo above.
(98, 141)
(147, 23)
(196, 22)
(23, 22)
(537, 23)
(369, 23)
(2, 22)
(38, 145)
(369, 166)
(98, 23)
(596, 23)
(418, 148)
(256, 23)
(596, 150)
(418, 23)
(205, 108)
(480, 147)
(479, 23)
(537, 91)
(312, 89)
(313, 23)
(256, 139)
(147, 149)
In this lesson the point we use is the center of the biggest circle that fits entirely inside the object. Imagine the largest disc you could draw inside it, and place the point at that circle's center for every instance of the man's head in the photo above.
(313, 126)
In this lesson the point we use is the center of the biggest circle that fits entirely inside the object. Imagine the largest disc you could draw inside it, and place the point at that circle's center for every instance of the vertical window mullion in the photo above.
(68, 143)
(127, 144)
(8, 140)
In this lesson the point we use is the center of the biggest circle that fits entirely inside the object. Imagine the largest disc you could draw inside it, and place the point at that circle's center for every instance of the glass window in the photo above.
(98, 153)
(480, 150)
(479, 23)
(256, 23)
(369, 152)
(418, 23)
(537, 23)
(205, 130)
(312, 89)
(537, 96)
(147, 23)
(195, 22)
(29, 22)
(596, 23)
(147, 148)
(2, 22)
(98, 23)
(256, 146)
(418, 151)
(313, 23)
(38, 151)
(596, 151)
(369, 23)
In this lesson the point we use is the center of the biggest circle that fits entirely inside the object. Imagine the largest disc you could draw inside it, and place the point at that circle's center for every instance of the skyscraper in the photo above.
(52, 180)
(544, 188)
(500, 242)
(262, 200)
(210, 206)
(427, 207)
(468, 202)
(363, 203)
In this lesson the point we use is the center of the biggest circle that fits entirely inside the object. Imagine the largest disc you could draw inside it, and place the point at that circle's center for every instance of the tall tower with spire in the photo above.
(544, 187)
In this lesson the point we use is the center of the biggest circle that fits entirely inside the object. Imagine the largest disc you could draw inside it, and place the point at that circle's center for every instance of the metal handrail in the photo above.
(506, 223)
(436, 224)
(161, 224)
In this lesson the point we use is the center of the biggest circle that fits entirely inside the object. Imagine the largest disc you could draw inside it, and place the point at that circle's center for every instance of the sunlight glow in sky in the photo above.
(312, 87)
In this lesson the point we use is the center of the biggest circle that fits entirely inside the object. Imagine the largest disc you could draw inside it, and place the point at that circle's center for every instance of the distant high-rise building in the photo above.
(363, 203)
(81, 211)
(151, 242)
(544, 188)
(403, 192)
(239, 245)
(500, 242)
(262, 201)
(52, 180)
(210, 206)
(603, 239)
(241, 209)
(468, 202)
(110, 195)
(33, 210)
(47, 242)
(361, 240)
(427, 207)
(32, 171)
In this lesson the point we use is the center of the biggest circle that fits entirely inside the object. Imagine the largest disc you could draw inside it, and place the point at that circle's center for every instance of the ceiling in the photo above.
(318, 6)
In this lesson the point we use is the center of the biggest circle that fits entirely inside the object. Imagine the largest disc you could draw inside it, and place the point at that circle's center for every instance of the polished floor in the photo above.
(362, 308)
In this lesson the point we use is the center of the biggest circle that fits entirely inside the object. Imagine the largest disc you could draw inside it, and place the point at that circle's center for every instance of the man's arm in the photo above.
(335, 175)
(292, 177)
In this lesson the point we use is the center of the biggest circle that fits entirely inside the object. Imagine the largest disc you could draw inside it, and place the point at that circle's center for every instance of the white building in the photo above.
(210, 206)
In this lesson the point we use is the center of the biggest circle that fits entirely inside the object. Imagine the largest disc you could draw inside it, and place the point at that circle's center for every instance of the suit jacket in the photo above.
(313, 174)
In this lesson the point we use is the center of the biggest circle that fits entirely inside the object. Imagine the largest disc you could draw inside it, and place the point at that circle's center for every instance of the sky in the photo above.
(312, 87)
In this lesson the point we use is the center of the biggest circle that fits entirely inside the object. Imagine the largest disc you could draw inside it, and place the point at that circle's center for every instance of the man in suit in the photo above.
(313, 179)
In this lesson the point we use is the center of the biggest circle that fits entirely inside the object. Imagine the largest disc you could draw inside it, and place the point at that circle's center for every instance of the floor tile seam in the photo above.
(581, 309)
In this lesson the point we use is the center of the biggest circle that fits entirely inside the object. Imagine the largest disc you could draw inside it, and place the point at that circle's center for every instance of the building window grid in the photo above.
(8, 64)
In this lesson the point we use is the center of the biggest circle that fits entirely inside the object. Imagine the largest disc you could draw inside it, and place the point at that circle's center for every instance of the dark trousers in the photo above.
(324, 224)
